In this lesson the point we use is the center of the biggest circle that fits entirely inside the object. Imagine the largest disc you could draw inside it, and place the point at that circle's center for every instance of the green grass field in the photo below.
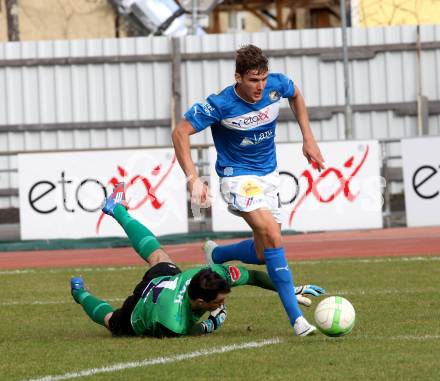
(44, 333)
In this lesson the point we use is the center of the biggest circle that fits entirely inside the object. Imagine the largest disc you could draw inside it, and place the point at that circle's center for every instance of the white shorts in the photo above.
(249, 192)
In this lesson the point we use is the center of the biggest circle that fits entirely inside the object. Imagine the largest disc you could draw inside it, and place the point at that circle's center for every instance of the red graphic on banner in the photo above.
(150, 190)
(344, 184)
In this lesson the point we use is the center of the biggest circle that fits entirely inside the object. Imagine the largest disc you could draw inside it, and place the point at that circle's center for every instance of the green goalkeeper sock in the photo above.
(141, 238)
(95, 308)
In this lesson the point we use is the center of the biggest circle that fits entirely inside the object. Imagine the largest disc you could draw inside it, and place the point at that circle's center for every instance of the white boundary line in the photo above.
(206, 352)
(48, 302)
(160, 360)
(297, 262)
(416, 338)
(73, 270)
(249, 294)
(391, 338)
(366, 260)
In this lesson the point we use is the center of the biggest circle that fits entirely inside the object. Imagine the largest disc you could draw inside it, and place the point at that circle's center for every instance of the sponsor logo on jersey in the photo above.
(247, 142)
(234, 272)
(253, 119)
(263, 136)
(207, 108)
(257, 138)
(274, 96)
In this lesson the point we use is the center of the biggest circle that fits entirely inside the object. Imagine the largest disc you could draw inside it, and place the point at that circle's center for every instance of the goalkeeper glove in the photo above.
(215, 320)
(308, 289)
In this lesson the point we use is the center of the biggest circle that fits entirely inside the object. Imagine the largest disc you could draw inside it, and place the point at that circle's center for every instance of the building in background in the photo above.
(395, 12)
(257, 15)
(27, 20)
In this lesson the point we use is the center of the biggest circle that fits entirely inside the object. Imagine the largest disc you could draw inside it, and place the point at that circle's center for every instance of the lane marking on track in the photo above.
(160, 360)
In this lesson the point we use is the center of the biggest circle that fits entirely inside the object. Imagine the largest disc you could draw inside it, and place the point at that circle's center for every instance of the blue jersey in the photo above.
(243, 132)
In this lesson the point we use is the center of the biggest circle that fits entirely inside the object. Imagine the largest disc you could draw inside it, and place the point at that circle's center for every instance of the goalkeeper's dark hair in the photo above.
(250, 57)
(206, 285)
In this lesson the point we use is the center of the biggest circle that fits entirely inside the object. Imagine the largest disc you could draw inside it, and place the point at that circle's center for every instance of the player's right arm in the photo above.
(215, 320)
(180, 137)
(310, 147)
(196, 119)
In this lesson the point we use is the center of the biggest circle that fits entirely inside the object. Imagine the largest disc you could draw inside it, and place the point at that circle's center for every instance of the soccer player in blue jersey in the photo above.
(243, 118)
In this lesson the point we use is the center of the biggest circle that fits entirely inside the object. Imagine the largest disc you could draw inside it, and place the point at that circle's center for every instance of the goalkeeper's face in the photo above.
(213, 304)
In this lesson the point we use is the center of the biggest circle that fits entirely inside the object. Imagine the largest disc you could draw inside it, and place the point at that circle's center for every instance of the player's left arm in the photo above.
(310, 148)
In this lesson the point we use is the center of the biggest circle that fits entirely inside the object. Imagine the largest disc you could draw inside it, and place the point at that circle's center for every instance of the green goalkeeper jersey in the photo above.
(166, 302)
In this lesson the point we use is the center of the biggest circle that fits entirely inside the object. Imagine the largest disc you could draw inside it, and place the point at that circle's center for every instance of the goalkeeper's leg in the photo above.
(142, 239)
(96, 309)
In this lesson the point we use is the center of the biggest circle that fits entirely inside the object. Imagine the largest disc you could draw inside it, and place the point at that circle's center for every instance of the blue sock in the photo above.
(243, 251)
(279, 273)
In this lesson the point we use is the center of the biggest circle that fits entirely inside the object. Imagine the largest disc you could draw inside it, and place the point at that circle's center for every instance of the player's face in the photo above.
(216, 303)
(251, 85)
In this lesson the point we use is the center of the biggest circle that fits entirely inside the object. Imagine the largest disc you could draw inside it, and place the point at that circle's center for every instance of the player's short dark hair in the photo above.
(250, 57)
(206, 285)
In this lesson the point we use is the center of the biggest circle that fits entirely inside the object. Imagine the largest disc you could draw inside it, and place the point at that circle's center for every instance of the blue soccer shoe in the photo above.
(117, 197)
(76, 283)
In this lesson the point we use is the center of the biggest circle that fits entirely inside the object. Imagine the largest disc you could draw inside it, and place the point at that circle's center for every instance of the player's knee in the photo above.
(272, 238)
(158, 256)
(260, 256)
(107, 320)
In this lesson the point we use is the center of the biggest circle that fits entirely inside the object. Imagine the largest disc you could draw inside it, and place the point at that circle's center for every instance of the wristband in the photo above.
(208, 325)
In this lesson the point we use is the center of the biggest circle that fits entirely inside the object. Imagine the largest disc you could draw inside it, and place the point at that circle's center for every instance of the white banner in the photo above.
(61, 193)
(421, 174)
(346, 195)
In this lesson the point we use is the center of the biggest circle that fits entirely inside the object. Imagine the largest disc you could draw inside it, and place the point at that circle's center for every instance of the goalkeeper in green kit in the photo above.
(168, 302)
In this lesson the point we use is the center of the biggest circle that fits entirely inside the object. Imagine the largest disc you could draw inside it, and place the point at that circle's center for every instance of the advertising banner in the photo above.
(345, 195)
(421, 174)
(61, 194)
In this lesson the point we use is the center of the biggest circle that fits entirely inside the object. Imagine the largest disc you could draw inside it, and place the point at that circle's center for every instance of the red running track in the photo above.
(345, 244)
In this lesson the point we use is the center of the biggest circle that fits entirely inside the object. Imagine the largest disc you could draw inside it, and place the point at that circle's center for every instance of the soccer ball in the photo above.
(335, 316)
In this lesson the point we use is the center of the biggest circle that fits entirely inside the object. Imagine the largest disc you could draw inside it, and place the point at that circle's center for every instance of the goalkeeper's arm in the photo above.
(215, 320)
(262, 280)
